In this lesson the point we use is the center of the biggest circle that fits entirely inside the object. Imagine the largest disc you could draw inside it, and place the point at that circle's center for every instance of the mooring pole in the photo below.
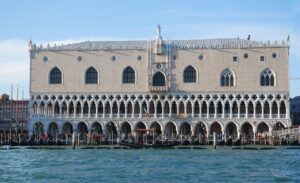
(73, 140)
(214, 134)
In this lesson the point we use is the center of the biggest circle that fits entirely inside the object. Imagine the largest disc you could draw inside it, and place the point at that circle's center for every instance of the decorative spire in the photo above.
(288, 40)
(30, 47)
(158, 42)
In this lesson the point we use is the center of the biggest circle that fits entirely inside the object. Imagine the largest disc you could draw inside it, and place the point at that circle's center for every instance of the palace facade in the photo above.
(238, 88)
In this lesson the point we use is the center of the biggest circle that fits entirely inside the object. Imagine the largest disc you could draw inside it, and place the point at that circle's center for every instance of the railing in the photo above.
(287, 132)
(160, 115)
(282, 115)
(158, 88)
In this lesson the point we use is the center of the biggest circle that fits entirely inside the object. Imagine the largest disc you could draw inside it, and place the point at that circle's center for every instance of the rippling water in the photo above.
(221, 165)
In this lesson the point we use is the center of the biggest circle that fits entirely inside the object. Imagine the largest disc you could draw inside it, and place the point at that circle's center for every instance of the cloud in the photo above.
(14, 60)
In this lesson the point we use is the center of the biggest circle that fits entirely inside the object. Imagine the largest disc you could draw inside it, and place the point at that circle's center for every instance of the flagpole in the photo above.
(11, 101)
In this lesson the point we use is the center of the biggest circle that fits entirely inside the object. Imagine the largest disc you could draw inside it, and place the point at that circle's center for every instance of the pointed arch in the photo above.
(85, 108)
(282, 108)
(211, 108)
(242, 108)
(227, 78)
(93, 108)
(128, 75)
(250, 108)
(71, 108)
(258, 109)
(266, 109)
(122, 108)
(100, 108)
(267, 77)
(181, 107)
(204, 108)
(129, 108)
(159, 79)
(107, 108)
(115, 108)
(190, 75)
(151, 107)
(137, 109)
(56, 108)
(189, 107)
(158, 108)
(219, 108)
(274, 108)
(174, 108)
(64, 109)
(166, 107)
(55, 76)
(91, 76)
(196, 108)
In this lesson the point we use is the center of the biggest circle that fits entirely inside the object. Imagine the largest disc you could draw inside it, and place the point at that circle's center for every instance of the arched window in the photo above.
(55, 76)
(91, 76)
(128, 75)
(189, 75)
(159, 79)
(267, 78)
(227, 78)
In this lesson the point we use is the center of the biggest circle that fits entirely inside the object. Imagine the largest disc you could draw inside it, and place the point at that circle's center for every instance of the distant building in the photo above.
(295, 110)
(234, 87)
(14, 114)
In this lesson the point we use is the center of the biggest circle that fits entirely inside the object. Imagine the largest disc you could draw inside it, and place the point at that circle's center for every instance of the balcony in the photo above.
(158, 88)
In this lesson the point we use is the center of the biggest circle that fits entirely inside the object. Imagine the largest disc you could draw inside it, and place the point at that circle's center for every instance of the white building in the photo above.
(235, 87)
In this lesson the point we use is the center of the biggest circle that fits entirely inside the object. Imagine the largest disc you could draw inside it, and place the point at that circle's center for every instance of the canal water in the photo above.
(149, 165)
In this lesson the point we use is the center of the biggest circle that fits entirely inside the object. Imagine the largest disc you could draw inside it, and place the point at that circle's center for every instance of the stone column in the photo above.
(89, 110)
(223, 111)
(270, 109)
(254, 135)
(231, 111)
(216, 111)
(246, 115)
(254, 110)
(193, 111)
(68, 110)
(96, 112)
(81, 115)
(162, 110)
(278, 111)
(239, 110)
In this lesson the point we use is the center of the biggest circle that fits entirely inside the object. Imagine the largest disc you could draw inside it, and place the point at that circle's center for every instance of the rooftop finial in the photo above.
(288, 40)
(158, 41)
(158, 30)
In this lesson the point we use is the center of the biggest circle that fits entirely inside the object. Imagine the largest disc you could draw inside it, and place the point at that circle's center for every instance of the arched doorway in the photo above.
(200, 133)
(67, 132)
(126, 132)
(159, 79)
(155, 135)
(231, 131)
(247, 134)
(111, 133)
(140, 133)
(82, 131)
(39, 132)
(96, 133)
(217, 128)
(170, 132)
(185, 132)
(263, 132)
(53, 132)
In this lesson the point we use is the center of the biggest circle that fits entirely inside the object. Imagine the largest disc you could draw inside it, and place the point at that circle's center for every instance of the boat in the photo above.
(148, 145)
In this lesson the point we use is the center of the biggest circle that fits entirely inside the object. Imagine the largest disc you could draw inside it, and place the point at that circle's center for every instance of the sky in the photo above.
(68, 21)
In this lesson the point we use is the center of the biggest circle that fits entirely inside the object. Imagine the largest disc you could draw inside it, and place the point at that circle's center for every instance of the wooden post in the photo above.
(214, 134)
